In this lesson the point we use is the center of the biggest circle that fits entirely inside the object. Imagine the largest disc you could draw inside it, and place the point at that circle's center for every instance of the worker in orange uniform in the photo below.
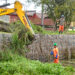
(55, 53)
(61, 26)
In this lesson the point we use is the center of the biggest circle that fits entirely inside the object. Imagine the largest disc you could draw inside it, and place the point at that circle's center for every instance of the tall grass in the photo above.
(37, 29)
(21, 37)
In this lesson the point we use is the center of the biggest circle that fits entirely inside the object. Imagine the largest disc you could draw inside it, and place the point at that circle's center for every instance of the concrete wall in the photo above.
(4, 39)
(43, 44)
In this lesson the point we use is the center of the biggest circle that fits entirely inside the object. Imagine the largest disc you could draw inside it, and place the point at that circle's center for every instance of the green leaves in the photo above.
(14, 64)
(27, 67)
(60, 1)
(55, 8)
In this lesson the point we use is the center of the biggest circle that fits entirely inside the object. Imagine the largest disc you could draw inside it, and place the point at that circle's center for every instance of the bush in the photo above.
(37, 29)
(21, 37)
(18, 45)
(23, 33)
(6, 55)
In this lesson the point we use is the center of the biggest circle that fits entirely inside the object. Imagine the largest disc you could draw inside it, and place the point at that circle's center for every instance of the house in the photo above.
(5, 18)
(72, 24)
(34, 17)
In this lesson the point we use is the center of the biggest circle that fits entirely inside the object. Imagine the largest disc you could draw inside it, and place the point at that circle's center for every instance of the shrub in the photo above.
(37, 29)
(20, 38)
(19, 65)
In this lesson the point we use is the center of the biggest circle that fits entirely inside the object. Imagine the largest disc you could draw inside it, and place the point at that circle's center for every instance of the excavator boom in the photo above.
(6, 11)
(21, 14)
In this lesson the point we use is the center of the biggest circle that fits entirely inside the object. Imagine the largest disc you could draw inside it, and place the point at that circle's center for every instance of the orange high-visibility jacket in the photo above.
(55, 52)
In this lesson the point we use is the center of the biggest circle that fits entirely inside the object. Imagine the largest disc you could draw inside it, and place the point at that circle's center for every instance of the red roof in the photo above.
(36, 18)
(48, 22)
(29, 13)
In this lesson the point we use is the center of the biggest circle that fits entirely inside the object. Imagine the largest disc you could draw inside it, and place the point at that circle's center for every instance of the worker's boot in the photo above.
(61, 32)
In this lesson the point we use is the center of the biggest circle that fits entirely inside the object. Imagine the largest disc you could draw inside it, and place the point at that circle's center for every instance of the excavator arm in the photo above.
(21, 14)
(6, 11)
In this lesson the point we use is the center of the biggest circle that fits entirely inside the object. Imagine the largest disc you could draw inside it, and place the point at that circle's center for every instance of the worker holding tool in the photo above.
(55, 53)
(61, 26)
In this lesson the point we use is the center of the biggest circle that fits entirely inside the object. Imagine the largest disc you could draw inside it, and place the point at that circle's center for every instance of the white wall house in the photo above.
(5, 18)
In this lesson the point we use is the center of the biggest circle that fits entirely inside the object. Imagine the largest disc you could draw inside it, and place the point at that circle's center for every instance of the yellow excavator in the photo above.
(21, 14)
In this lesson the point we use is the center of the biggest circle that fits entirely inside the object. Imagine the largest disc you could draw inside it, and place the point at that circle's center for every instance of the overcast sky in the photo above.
(26, 5)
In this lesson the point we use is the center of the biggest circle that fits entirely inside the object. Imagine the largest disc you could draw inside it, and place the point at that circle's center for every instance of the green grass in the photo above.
(57, 33)
(70, 32)
(40, 30)
(14, 64)
(19, 27)
(48, 32)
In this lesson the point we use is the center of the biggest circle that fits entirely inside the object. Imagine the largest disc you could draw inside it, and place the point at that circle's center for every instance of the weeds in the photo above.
(14, 64)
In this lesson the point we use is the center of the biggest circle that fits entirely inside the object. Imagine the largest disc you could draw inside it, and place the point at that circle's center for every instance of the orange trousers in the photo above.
(56, 60)
(61, 28)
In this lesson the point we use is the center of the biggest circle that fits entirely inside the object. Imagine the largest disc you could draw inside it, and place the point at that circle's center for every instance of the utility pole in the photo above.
(42, 16)
(5, 1)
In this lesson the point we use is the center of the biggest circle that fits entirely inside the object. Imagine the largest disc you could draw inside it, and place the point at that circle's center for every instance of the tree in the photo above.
(60, 1)
(38, 2)
(55, 8)
(65, 9)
